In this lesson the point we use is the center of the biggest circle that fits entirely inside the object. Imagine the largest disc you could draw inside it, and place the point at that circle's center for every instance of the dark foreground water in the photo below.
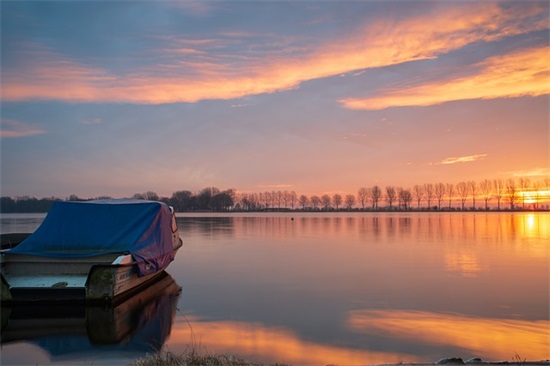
(346, 288)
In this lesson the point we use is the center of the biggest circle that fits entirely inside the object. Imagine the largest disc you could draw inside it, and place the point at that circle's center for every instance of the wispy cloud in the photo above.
(522, 73)
(92, 121)
(461, 159)
(191, 71)
(46, 75)
(275, 186)
(535, 172)
(11, 128)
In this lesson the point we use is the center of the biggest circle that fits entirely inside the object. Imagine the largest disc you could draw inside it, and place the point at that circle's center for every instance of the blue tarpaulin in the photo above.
(90, 228)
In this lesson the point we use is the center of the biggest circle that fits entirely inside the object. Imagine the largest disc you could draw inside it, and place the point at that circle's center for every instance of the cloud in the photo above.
(92, 121)
(228, 66)
(536, 172)
(275, 186)
(461, 159)
(522, 73)
(46, 75)
(12, 128)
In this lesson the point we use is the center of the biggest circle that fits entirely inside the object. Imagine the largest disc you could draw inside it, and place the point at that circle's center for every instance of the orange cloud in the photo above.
(269, 343)
(194, 70)
(490, 337)
(522, 73)
(13, 128)
(462, 159)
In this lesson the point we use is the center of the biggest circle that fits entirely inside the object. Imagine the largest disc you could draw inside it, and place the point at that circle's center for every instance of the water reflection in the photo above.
(350, 288)
(83, 334)
(261, 343)
(325, 288)
(479, 336)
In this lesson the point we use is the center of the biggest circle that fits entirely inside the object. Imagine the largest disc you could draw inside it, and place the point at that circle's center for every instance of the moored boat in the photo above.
(102, 251)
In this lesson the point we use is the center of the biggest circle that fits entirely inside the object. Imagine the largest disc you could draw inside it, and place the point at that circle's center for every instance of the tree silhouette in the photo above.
(440, 190)
(390, 195)
(418, 192)
(325, 200)
(337, 200)
(463, 189)
(376, 194)
(350, 201)
(362, 195)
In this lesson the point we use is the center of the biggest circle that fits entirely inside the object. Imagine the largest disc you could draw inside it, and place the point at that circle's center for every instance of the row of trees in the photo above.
(429, 196)
(208, 199)
(489, 194)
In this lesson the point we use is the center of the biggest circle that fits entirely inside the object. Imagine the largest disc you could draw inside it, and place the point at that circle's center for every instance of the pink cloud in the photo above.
(462, 159)
(12, 128)
(521, 73)
(193, 70)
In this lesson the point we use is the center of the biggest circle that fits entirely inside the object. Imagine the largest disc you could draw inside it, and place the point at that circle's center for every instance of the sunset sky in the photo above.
(121, 97)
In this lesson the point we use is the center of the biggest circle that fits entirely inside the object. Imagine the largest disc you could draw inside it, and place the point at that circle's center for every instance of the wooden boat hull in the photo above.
(32, 279)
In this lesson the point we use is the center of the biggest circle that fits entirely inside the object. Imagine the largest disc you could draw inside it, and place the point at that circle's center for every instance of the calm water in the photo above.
(319, 289)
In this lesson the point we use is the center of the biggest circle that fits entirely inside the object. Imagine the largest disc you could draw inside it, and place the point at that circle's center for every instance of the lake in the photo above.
(320, 288)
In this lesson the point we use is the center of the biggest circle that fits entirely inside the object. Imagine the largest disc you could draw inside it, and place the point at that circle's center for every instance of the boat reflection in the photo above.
(139, 325)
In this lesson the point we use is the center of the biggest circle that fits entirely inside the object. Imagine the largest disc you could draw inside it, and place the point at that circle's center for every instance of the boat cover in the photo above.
(89, 228)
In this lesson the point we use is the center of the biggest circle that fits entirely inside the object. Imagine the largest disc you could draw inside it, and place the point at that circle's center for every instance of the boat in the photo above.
(84, 333)
(93, 251)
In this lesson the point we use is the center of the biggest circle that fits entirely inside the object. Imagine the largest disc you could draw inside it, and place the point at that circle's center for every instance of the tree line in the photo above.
(208, 199)
(495, 194)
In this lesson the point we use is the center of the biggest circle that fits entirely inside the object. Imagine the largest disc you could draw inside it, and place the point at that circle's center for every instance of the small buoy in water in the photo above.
(292, 218)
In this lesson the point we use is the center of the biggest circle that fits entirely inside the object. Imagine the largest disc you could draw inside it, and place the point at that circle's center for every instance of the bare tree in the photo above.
(286, 198)
(362, 195)
(390, 195)
(293, 197)
(537, 186)
(149, 196)
(278, 197)
(304, 201)
(418, 192)
(473, 191)
(273, 199)
(405, 197)
(525, 185)
(325, 200)
(376, 194)
(315, 201)
(439, 194)
(337, 200)
(249, 201)
(450, 193)
(350, 201)
(430, 194)
(268, 199)
(462, 189)
(498, 186)
(511, 192)
(486, 188)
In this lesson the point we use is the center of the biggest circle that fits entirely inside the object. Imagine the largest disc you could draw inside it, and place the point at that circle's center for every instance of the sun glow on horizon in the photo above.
(534, 196)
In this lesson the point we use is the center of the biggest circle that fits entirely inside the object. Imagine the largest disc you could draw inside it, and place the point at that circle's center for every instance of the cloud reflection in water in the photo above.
(492, 339)
(258, 342)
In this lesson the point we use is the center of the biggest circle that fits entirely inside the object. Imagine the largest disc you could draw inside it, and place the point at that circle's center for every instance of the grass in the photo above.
(193, 358)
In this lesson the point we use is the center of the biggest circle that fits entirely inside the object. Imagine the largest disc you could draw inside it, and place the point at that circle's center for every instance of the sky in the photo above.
(318, 97)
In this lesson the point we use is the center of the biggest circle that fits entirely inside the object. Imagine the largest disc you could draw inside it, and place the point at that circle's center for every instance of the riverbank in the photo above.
(194, 359)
